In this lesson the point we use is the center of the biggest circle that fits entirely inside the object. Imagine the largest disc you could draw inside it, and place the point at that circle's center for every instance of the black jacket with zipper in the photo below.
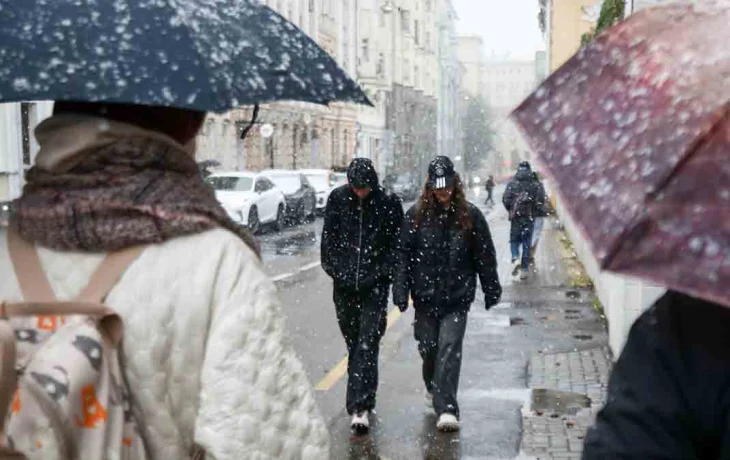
(360, 237)
(439, 263)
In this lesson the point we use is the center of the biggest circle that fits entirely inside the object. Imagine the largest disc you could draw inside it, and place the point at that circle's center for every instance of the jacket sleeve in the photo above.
(395, 222)
(646, 414)
(485, 260)
(510, 194)
(255, 397)
(330, 232)
(404, 262)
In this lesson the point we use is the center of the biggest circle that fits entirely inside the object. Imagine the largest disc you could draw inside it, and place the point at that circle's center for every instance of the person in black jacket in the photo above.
(521, 199)
(668, 394)
(359, 239)
(445, 244)
(489, 186)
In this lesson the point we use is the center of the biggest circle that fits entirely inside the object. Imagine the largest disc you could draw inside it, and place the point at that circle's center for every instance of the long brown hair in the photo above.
(427, 204)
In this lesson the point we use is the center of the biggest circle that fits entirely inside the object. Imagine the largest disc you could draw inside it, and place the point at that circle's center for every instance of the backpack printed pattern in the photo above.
(66, 397)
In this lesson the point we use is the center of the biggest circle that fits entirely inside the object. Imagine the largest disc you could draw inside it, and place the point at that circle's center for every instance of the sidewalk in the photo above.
(534, 372)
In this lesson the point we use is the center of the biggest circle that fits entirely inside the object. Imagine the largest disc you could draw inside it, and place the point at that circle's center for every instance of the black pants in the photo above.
(362, 318)
(439, 342)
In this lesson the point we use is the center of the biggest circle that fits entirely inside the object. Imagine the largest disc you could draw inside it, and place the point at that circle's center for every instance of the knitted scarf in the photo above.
(101, 186)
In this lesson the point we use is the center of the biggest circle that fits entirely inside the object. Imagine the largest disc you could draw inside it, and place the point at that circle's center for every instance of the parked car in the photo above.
(251, 199)
(301, 198)
(323, 181)
(403, 185)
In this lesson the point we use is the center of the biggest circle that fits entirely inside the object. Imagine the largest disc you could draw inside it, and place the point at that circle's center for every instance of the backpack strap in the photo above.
(37, 290)
(34, 284)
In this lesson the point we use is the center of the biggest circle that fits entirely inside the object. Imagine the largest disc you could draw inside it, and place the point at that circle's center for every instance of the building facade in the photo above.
(402, 52)
(567, 21)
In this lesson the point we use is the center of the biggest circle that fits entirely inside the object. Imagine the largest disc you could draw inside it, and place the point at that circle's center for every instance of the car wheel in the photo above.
(280, 219)
(254, 224)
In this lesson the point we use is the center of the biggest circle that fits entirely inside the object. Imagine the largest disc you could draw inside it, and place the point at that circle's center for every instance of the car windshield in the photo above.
(230, 183)
(288, 184)
(318, 181)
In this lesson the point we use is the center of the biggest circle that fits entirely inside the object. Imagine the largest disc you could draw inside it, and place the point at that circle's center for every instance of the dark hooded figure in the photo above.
(521, 199)
(361, 227)
(445, 246)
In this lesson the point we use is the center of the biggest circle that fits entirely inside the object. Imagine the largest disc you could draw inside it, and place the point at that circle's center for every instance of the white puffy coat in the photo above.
(207, 356)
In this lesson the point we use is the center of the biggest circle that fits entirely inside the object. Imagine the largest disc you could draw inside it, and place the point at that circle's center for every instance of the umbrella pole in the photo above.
(255, 115)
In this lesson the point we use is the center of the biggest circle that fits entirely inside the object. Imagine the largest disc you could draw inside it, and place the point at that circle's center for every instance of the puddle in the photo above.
(573, 295)
(555, 403)
(516, 321)
(520, 395)
(583, 337)
(572, 316)
(572, 310)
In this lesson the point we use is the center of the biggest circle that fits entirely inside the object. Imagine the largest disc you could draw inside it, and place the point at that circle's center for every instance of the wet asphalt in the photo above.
(541, 314)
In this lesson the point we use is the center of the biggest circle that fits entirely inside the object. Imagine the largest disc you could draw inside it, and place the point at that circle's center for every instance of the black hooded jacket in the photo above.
(524, 182)
(439, 263)
(360, 236)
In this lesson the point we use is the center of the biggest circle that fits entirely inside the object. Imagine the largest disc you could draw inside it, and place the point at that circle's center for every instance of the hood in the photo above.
(524, 175)
(361, 173)
(65, 139)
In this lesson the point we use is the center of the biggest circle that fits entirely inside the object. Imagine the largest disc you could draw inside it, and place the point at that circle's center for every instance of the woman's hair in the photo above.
(180, 124)
(428, 203)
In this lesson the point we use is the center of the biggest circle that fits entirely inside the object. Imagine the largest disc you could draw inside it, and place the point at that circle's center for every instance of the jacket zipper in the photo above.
(359, 251)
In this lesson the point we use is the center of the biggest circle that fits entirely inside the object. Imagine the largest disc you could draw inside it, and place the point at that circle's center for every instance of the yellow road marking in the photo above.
(337, 372)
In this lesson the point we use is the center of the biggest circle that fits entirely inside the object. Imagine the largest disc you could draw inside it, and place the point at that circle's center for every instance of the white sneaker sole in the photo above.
(448, 427)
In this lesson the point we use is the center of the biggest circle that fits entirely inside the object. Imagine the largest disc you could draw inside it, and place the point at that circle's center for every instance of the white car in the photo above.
(250, 199)
(324, 181)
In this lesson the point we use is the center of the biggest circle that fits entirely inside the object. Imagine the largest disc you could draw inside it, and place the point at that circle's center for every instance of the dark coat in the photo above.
(439, 263)
(669, 393)
(359, 238)
(524, 181)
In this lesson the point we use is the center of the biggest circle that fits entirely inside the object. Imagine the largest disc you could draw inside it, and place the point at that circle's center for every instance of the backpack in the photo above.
(521, 207)
(62, 384)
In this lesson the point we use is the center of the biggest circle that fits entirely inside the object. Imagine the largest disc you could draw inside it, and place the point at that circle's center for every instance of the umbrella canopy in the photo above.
(210, 55)
(634, 129)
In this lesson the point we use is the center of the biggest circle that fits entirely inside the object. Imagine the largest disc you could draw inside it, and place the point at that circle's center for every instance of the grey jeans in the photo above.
(439, 343)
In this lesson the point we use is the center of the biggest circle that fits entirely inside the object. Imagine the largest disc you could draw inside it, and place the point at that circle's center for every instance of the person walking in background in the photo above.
(445, 245)
(489, 185)
(361, 226)
(520, 199)
(197, 307)
(542, 211)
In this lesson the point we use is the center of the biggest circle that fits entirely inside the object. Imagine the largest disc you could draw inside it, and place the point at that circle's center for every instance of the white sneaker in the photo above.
(516, 266)
(524, 274)
(448, 422)
(429, 400)
(360, 422)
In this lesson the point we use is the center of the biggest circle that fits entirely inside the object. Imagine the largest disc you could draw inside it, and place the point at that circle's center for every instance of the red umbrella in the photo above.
(635, 130)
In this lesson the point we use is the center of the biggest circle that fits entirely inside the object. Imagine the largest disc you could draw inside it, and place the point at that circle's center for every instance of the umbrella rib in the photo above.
(722, 117)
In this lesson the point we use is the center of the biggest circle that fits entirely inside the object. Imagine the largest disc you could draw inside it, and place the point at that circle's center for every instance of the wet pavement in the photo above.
(545, 336)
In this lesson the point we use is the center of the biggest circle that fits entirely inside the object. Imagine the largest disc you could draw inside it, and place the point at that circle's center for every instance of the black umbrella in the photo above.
(211, 55)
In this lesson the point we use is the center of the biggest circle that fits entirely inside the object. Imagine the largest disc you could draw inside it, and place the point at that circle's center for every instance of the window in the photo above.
(405, 21)
(415, 31)
(366, 49)
(380, 65)
(311, 6)
(230, 183)
(263, 184)
(428, 5)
